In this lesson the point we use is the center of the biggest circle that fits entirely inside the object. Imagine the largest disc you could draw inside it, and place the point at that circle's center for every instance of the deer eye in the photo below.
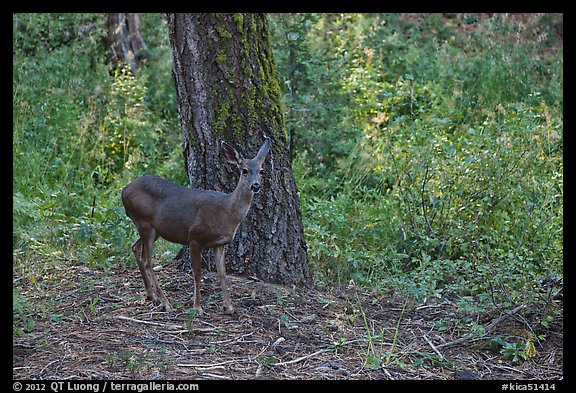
(261, 171)
(244, 171)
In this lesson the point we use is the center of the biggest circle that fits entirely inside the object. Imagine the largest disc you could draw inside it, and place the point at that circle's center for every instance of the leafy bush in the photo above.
(81, 132)
(431, 158)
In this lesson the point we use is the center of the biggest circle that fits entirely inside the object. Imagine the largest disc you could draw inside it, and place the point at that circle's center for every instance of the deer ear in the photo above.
(231, 154)
(264, 149)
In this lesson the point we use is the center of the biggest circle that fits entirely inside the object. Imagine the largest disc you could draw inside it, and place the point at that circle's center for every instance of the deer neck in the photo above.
(240, 200)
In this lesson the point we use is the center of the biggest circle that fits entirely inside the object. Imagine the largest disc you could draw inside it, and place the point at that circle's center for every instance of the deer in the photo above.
(200, 219)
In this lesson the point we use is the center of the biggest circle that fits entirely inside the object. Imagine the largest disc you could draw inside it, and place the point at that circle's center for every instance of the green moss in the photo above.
(268, 102)
(221, 58)
(221, 117)
(223, 33)
(236, 123)
(245, 52)
(259, 103)
(252, 24)
(246, 69)
(249, 100)
(239, 20)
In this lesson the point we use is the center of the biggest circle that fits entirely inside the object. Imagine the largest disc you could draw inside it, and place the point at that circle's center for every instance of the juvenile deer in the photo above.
(199, 219)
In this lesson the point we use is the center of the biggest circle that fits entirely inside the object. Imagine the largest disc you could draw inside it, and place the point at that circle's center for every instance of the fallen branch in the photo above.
(173, 328)
(210, 365)
(217, 376)
(165, 325)
(433, 347)
(301, 358)
(489, 327)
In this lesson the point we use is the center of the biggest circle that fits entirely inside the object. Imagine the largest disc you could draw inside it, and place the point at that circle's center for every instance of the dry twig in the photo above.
(433, 347)
(301, 358)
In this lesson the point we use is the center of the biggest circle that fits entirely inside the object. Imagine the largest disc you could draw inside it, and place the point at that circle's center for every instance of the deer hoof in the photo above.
(199, 310)
(164, 304)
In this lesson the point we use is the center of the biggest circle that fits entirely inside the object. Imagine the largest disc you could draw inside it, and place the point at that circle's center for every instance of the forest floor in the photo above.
(98, 325)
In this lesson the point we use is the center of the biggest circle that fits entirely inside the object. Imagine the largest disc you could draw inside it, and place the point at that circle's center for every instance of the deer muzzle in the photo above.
(255, 187)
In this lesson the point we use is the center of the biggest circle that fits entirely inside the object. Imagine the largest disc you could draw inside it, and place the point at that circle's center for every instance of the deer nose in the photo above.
(255, 187)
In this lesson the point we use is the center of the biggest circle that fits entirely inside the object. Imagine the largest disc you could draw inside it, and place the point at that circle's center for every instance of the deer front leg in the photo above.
(196, 259)
(221, 270)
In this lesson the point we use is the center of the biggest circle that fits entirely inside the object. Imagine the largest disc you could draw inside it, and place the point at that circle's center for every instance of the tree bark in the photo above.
(125, 42)
(228, 89)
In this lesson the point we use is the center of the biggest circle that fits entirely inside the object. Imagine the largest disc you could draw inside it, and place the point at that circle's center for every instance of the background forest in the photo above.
(427, 148)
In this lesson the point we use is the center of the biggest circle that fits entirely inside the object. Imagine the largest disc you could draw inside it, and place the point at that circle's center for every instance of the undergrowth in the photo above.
(428, 152)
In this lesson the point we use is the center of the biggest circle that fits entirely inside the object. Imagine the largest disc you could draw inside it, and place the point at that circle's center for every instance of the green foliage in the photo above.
(22, 321)
(39, 32)
(515, 350)
(81, 132)
(428, 155)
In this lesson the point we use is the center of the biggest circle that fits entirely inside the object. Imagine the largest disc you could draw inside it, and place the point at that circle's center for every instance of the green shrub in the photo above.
(431, 161)
(82, 132)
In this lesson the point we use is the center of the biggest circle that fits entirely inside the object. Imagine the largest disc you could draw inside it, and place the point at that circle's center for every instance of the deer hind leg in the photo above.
(221, 271)
(137, 248)
(144, 257)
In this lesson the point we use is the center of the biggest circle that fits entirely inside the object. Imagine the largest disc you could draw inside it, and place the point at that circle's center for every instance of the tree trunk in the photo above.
(125, 42)
(228, 89)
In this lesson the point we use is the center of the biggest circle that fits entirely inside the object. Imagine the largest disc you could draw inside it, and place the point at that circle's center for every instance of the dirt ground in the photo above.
(98, 325)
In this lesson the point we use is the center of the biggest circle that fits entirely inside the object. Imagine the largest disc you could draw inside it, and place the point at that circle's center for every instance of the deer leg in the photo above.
(196, 259)
(159, 296)
(144, 257)
(137, 248)
(221, 271)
